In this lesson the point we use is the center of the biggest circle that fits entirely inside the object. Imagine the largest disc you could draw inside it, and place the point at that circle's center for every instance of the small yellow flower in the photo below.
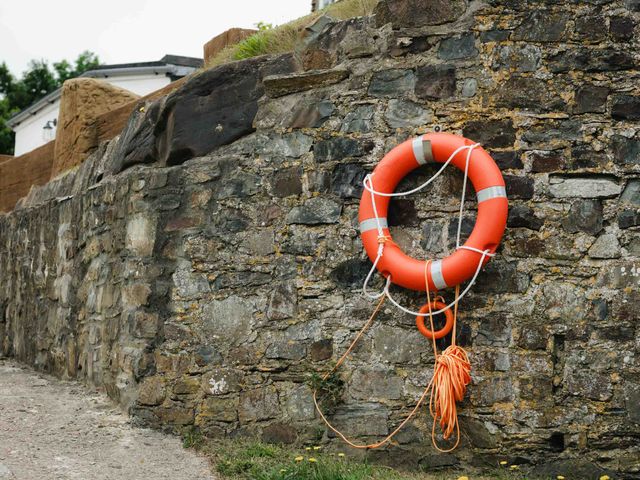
(283, 470)
(560, 477)
(341, 454)
(317, 448)
(514, 467)
(605, 477)
(299, 458)
(312, 460)
(503, 462)
(463, 478)
(307, 448)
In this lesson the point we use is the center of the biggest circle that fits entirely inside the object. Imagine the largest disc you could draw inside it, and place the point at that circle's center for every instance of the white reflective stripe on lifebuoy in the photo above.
(491, 192)
(422, 150)
(436, 275)
(371, 224)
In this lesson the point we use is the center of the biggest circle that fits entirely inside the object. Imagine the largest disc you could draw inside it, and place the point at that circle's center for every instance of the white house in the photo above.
(320, 4)
(36, 125)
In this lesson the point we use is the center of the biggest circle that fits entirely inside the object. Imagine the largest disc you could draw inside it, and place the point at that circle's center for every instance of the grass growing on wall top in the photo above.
(287, 37)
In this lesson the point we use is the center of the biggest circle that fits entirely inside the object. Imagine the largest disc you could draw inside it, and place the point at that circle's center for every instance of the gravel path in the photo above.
(51, 429)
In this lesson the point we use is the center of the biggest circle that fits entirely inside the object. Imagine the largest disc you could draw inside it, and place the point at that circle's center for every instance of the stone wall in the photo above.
(202, 265)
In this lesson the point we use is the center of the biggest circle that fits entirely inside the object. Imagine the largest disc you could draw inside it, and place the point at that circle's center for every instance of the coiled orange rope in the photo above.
(451, 375)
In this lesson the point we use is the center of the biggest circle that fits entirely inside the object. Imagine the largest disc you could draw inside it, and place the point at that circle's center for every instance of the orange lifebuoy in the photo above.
(491, 221)
(448, 315)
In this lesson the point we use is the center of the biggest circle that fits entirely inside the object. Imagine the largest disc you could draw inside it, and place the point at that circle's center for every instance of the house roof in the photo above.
(171, 65)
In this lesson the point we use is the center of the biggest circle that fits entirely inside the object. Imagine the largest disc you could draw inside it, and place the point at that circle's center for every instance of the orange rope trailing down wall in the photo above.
(452, 369)
(451, 375)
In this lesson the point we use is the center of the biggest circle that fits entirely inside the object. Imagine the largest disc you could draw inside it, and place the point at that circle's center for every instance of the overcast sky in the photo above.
(123, 31)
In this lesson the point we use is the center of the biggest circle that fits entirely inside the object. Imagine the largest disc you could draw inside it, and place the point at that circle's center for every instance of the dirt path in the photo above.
(50, 429)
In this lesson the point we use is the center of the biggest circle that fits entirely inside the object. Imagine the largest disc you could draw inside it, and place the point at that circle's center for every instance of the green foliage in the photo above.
(251, 460)
(85, 61)
(264, 26)
(329, 390)
(322, 469)
(256, 44)
(254, 460)
(36, 82)
(193, 438)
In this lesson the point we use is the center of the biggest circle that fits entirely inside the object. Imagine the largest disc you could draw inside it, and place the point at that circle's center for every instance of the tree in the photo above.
(36, 82)
(85, 61)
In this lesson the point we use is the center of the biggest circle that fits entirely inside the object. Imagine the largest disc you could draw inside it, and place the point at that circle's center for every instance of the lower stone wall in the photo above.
(207, 294)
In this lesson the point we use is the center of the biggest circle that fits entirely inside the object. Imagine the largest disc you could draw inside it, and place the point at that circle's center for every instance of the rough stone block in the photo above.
(585, 216)
(339, 148)
(542, 26)
(519, 58)
(626, 151)
(631, 193)
(278, 85)
(628, 218)
(583, 187)
(81, 102)
(528, 93)
(523, 216)
(456, 48)
(625, 107)
(395, 82)
(591, 99)
(621, 28)
(312, 115)
(259, 404)
(217, 409)
(418, 13)
(543, 162)
(435, 82)
(141, 234)
(606, 246)
(492, 133)
(152, 391)
(315, 211)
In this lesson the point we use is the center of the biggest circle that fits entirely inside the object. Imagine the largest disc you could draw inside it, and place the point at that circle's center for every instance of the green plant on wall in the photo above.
(329, 390)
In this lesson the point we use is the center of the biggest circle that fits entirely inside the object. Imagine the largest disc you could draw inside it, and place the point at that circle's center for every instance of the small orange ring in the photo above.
(435, 305)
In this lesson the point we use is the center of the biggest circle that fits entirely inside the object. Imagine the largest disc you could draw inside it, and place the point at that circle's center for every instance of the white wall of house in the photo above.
(31, 134)
(324, 3)
(139, 84)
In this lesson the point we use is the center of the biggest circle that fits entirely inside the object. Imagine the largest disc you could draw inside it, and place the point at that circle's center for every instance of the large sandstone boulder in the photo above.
(82, 101)
(19, 174)
(219, 42)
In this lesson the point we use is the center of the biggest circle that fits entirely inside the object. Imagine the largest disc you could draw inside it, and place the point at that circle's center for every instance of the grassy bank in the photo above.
(253, 460)
(287, 37)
